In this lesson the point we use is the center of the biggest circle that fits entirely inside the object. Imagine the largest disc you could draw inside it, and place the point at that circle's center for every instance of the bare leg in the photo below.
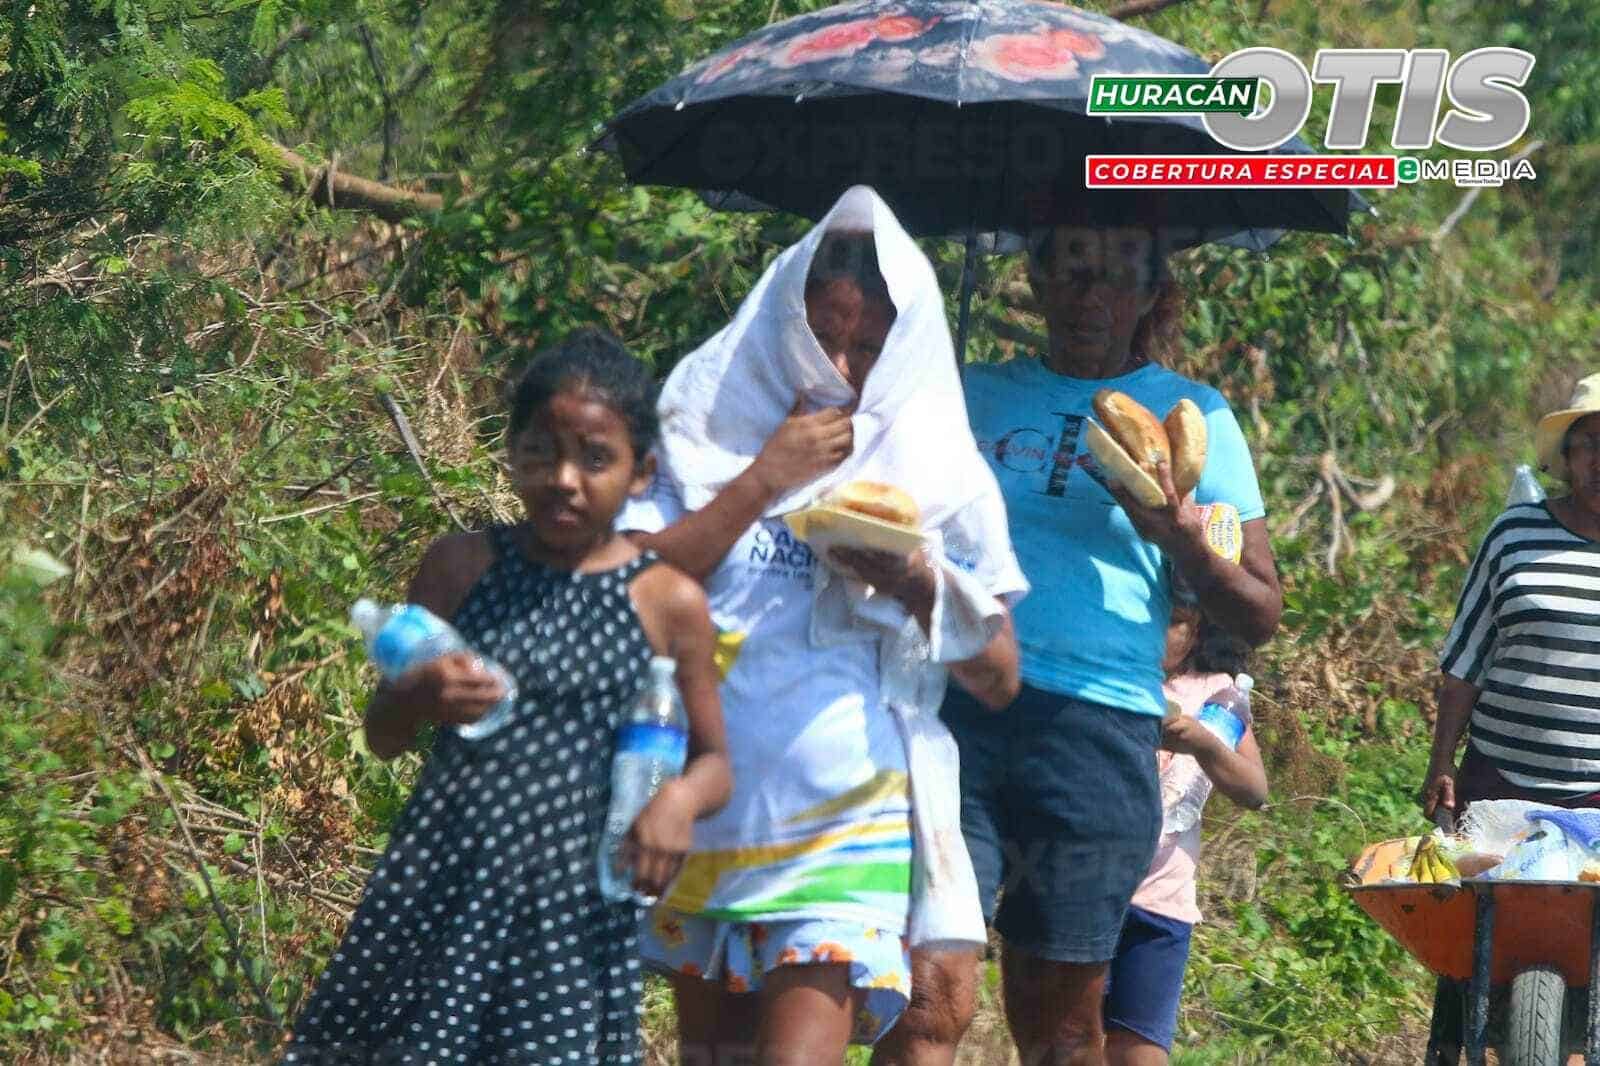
(715, 1028)
(807, 1014)
(1124, 1048)
(1054, 1009)
(944, 997)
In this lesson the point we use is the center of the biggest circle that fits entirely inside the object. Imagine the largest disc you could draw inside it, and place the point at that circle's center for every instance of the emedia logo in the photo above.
(1488, 113)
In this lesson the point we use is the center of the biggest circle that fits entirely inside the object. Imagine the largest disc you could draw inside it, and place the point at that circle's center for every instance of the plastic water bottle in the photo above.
(407, 635)
(652, 746)
(1184, 791)
(1525, 488)
(1185, 786)
(1227, 713)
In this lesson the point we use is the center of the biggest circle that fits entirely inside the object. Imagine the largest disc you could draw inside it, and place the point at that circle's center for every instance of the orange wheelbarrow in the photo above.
(1505, 954)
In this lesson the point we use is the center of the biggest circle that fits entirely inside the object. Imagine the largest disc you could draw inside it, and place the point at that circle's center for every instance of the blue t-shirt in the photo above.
(1095, 625)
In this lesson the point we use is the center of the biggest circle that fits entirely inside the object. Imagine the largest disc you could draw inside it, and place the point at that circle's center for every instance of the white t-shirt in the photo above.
(819, 822)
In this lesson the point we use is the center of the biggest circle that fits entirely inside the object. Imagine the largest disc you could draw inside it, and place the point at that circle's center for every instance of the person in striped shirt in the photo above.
(1521, 665)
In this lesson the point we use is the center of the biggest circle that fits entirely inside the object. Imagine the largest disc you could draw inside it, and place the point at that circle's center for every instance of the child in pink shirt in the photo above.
(1146, 978)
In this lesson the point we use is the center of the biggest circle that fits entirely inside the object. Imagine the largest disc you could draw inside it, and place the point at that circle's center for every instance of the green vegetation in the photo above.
(194, 351)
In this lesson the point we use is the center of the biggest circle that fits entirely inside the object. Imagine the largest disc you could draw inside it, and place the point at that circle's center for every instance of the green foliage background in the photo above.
(190, 353)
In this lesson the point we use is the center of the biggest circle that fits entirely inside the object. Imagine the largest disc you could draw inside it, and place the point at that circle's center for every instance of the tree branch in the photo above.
(1010, 331)
(302, 31)
(244, 967)
(298, 33)
(391, 121)
(360, 194)
(1135, 8)
(402, 426)
(412, 80)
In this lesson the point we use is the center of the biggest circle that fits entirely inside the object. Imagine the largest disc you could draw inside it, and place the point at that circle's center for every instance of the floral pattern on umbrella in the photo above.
(1027, 57)
(1021, 41)
(847, 38)
(955, 110)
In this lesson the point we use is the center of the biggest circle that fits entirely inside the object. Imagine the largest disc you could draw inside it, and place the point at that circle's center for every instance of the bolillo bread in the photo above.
(1131, 443)
(1128, 443)
(878, 500)
(1186, 432)
(1120, 467)
(1133, 427)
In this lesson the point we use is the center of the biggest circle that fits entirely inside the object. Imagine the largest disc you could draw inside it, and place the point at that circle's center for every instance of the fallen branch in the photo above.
(1135, 8)
(1336, 486)
(1302, 509)
(336, 475)
(1377, 494)
(283, 680)
(360, 194)
(337, 906)
(1339, 540)
(354, 260)
(309, 511)
(402, 426)
(205, 877)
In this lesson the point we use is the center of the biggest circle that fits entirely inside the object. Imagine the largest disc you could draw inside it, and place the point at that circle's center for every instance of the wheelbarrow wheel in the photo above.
(1533, 1031)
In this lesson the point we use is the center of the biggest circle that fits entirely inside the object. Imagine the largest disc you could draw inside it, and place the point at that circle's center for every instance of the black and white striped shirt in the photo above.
(1527, 632)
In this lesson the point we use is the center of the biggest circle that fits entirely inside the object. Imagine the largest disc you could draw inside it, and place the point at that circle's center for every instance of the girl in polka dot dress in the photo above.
(482, 937)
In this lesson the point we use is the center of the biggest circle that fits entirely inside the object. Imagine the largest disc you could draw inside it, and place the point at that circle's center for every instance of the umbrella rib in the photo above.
(971, 34)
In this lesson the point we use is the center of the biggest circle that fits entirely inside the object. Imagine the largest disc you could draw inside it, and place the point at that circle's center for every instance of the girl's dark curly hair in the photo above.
(1216, 651)
(592, 361)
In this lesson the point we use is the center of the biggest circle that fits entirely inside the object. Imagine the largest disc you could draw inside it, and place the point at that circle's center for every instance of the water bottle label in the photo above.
(399, 640)
(655, 741)
(1223, 723)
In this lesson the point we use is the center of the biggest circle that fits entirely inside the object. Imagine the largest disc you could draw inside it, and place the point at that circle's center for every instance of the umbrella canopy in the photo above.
(966, 115)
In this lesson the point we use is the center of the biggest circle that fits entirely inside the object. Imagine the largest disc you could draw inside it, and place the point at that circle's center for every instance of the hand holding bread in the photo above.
(1131, 445)
(861, 514)
(905, 577)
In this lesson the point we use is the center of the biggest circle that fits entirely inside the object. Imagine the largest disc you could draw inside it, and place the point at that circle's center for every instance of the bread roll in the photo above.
(1133, 427)
(1120, 467)
(877, 500)
(1186, 435)
(1130, 445)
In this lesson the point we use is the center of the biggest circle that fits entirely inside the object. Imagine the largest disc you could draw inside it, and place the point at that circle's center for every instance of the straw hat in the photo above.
(1553, 426)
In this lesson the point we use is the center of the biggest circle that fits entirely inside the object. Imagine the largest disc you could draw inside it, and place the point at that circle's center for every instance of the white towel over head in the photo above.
(724, 400)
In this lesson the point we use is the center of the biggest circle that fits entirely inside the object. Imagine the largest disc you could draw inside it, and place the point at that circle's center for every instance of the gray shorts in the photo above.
(1061, 810)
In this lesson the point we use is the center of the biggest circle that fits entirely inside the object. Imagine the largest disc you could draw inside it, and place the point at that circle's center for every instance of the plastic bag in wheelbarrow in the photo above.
(1562, 845)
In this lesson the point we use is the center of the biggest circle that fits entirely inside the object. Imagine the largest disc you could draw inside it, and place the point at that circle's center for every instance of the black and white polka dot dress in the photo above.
(482, 937)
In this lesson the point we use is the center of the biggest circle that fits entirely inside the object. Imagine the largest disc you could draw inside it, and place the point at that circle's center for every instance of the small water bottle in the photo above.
(1525, 488)
(652, 746)
(1184, 791)
(1227, 713)
(407, 635)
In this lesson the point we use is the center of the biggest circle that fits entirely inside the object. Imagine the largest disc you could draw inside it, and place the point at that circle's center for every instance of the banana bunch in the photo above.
(1429, 865)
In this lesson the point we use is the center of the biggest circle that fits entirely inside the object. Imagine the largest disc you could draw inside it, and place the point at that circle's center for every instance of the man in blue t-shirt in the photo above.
(1060, 802)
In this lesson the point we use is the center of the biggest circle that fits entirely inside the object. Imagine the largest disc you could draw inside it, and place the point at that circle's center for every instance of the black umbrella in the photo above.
(967, 116)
